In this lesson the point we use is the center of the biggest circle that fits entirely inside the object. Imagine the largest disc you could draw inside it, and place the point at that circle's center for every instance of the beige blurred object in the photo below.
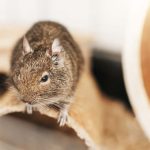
(136, 62)
(101, 123)
(145, 53)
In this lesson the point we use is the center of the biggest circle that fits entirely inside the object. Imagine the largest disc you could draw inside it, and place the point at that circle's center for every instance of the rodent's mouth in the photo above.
(27, 102)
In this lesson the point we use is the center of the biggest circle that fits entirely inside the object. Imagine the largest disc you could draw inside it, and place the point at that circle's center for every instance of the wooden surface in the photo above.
(103, 124)
(145, 53)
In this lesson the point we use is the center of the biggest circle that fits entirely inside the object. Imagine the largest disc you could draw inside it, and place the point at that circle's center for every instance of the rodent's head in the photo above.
(41, 76)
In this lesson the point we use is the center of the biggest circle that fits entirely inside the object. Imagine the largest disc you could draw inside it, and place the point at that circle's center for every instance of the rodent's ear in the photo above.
(26, 46)
(56, 53)
(56, 46)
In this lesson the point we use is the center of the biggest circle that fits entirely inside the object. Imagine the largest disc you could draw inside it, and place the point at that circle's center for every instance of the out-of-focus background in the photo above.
(105, 20)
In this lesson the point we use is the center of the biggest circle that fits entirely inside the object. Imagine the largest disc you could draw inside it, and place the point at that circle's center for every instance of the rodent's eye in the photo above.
(45, 78)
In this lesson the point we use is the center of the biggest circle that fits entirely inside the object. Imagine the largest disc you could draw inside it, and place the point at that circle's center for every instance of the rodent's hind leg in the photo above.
(63, 116)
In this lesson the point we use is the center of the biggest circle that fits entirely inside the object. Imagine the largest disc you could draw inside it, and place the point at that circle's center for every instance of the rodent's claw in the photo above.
(62, 118)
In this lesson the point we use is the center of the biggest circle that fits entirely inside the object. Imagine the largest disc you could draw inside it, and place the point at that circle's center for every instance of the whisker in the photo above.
(43, 106)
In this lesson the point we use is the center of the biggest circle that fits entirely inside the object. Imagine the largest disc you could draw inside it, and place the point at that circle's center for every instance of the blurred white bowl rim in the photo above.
(131, 62)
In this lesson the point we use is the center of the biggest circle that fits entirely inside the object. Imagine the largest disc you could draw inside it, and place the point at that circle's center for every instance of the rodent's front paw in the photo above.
(62, 118)
(29, 108)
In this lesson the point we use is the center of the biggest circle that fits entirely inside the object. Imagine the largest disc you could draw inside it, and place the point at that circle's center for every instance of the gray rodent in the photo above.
(46, 64)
